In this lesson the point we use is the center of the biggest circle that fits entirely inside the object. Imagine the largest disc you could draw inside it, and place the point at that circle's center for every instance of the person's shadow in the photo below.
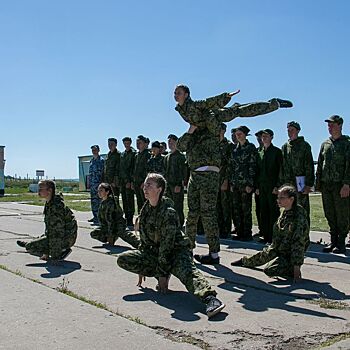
(184, 305)
(258, 296)
(53, 271)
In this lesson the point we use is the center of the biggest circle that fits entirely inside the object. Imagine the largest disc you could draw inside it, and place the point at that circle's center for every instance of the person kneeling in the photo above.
(290, 240)
(112, 223)
(60, 227)
(164, 249)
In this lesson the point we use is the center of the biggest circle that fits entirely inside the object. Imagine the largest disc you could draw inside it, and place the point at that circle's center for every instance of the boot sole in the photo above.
(216, 311)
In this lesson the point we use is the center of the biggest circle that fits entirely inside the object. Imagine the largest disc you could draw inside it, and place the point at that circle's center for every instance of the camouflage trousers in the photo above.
(128, 200)
(145, 264)
(269, 211)
(140, 196)
(336, 211)
(275, 265)
(304, 201)
(242, 212)
(178, 199)
(126, 235)
(245, 110)
(95, 201)
(224, 213)
(257, 210)
(202, 196)
(40, 246)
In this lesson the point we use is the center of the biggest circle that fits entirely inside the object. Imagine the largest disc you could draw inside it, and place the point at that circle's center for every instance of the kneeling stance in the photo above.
(60, 226)
(164, 249)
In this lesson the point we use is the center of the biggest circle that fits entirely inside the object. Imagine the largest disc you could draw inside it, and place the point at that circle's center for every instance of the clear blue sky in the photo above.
(74, 73)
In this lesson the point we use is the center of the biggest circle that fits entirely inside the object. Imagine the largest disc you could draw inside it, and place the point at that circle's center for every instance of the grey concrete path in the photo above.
(261, 313)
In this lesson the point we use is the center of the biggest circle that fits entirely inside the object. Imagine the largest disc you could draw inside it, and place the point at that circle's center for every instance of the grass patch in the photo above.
(325, 303)
(333, 340)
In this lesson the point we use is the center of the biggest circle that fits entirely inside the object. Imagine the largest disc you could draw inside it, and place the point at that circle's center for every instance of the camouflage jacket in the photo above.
(96, 170)
(161, 235)
(334, 162)
(290, 236)
(225, 147)
(243, 165)
(199, 112)
(268, 167)
(112, 168)
(175, 168)
(60, 225)
(110, 215)
(201, 147)
(127, 163)
(140, 166)
(297, 161)
(156, 164)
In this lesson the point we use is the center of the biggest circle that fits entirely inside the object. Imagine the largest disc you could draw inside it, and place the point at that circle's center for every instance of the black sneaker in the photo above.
(207, 259)
(328, 248)
(339, 250)
(22, 244)
(65, 254)
(284, 103)
(237, 262)
(214, 306)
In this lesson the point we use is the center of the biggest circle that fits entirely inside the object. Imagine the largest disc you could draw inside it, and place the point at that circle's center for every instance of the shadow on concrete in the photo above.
(53, 271)
(184, 305)
(112, 249)
(259, 296)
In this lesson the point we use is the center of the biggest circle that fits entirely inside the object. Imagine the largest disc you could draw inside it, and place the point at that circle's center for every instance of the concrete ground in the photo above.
(90, 303)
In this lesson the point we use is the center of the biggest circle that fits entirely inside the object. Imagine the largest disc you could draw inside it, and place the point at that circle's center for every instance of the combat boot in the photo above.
(328, 248)
(339, 250)
(22, 244)
(238, 262)
(206, 259)
(213, 305)
(282, 103)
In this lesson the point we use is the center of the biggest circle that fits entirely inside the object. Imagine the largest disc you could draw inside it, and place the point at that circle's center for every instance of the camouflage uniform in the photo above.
(210, 113)
(60, 230)
(175, 175)
(289, 244)
(127, 162)
(156, 164)
(224, 197)
(95, 175)
(257, 202)
(298, 161)
(112, 170)
(333, 171)
(268, 167)
(202, 150)
(164, 250)
(242, 174)
(112, 224)
(139, 176)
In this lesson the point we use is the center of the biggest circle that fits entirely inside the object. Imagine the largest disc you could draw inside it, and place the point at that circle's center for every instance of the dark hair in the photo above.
(185, 88)
(290, 191)
(50, 184)
(159, 180)
(108, 188)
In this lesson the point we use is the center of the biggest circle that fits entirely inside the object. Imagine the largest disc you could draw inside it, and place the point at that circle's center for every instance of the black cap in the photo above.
(244, 129)
(335, 119)
(267, 131)
(156, 144)
(127, 138)
(95, 146)
(163, 144)
(294, 124)
(143, 138)
(112, 139)
(233, 130)
(258, 133)
(173, 137)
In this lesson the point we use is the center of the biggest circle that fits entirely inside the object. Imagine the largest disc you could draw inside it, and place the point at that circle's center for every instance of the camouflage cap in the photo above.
(95, 146)
(259, 133)
(173, 137)
(142, 138)
(156, 144)
(294, 124)
(244, 129)
(112, 139)
(126, 138)
(335, 119)
(267, 131)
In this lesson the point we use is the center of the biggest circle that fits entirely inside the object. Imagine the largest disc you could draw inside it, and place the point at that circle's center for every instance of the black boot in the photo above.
(207, 259)
(22, 244)
(213, 305)
(283, 103)
(328, 248)
(238, 262)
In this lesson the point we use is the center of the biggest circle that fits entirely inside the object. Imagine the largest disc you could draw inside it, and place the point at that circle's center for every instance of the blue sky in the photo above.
(74, 73)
